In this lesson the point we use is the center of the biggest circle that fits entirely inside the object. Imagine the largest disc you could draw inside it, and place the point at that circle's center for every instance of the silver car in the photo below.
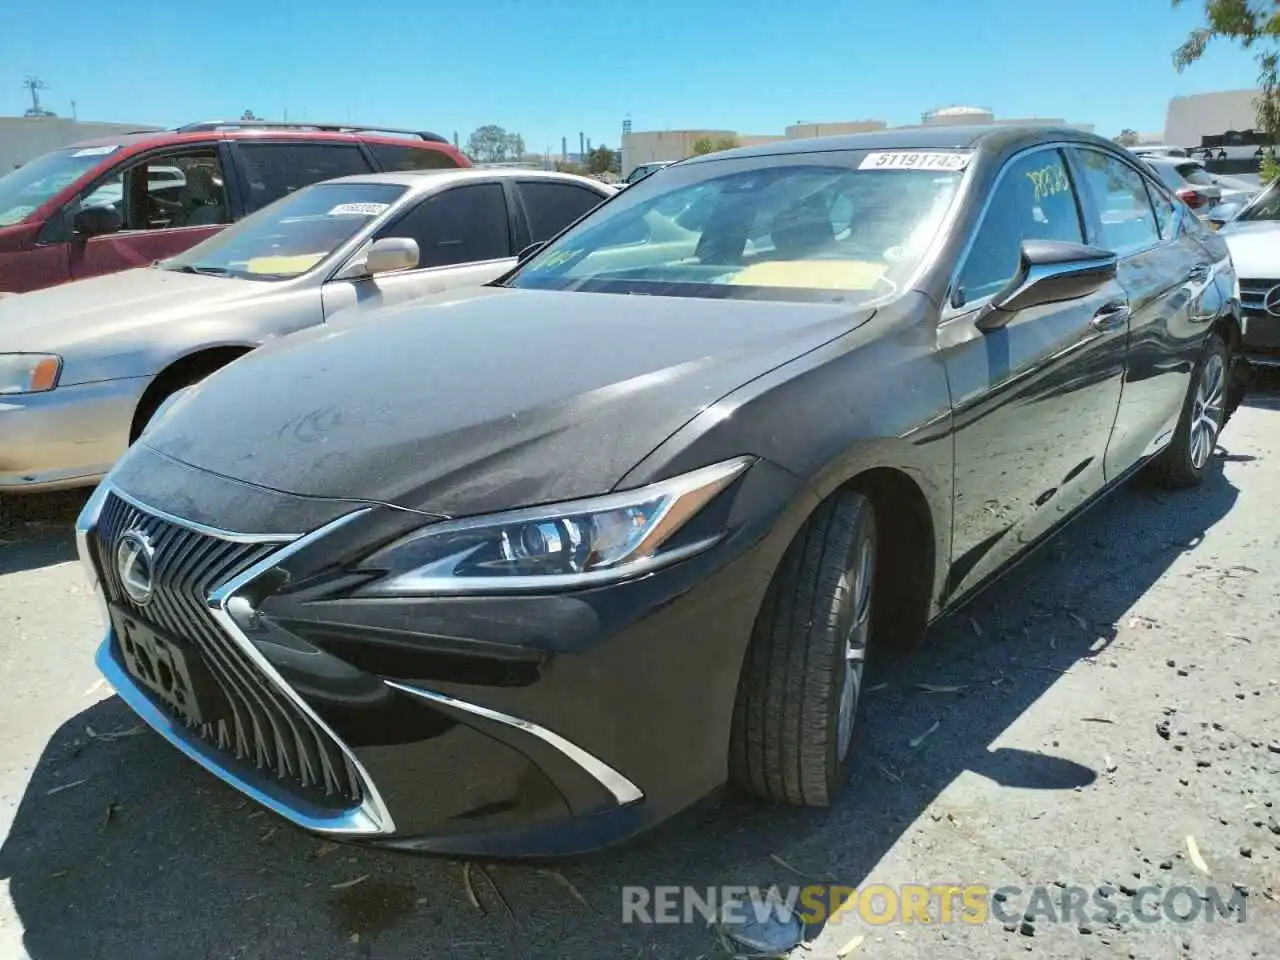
(85, 366)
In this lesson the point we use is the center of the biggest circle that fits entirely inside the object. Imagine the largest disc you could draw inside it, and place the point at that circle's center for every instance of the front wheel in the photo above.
(1185, 461)
(799, 694)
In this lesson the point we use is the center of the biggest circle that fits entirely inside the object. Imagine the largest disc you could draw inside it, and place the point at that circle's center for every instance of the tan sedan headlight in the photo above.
(28, 372)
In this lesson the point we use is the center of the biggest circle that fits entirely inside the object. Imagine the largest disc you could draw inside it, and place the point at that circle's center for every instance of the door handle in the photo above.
(1200, 272)
(1111, 316)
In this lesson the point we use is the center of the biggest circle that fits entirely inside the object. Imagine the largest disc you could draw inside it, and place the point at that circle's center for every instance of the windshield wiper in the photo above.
(203, 271)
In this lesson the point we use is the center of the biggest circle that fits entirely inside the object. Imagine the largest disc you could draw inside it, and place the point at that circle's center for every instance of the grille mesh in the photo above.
(256, 722)
(1252, 294)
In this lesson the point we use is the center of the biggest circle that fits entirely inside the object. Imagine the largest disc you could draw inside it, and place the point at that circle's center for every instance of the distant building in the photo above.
(25, 138)
(1191, 119)
(647, 146)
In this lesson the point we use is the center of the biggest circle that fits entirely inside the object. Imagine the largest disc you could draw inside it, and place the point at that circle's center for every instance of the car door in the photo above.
(167, 202)
(1164, 272)
(1033, 400)
(549, 205)
(465, 237)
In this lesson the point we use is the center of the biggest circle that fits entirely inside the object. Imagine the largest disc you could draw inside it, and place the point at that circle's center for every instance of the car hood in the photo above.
(1255, 248)
(60, 317)
(483, 400)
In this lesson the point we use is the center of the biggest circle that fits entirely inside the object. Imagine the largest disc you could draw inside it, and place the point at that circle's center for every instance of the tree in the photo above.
(249, 115)
(600, 160)
(1254, 27)
(1127, 138)
(492, 144)
(705, 145)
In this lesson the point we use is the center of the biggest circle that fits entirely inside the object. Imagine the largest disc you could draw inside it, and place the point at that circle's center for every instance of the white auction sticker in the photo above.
(915, 160)
(358, 209)
(97, 151)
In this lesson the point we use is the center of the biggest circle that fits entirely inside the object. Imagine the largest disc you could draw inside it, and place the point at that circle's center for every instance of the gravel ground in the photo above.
(1112, 698)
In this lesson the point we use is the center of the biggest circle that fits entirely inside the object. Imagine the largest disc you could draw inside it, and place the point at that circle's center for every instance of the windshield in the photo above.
(26, 189)
(828, 227)
(292, 235)
(1266, 207)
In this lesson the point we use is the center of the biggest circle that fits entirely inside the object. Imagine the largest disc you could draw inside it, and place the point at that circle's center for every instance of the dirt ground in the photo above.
(1070, 730)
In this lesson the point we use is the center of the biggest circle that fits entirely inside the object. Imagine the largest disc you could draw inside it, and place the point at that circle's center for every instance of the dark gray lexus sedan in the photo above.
(524, 570)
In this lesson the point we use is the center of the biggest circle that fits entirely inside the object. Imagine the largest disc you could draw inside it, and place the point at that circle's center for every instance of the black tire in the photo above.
(1185, 462)
(786, 738)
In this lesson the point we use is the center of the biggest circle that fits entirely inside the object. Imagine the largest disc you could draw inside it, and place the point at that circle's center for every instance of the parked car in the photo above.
(64, 215)
(644, 170)
(1253, 236)
(524, 571)
(84, 366)
(1194, 185)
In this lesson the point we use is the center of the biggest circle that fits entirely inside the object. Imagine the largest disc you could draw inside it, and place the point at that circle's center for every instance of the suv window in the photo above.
(1120, 193)
(553, 206)
(460, 225)
(275, 169)
(395, 157)
(1034, 199)
(166, 191)
(1195, 174)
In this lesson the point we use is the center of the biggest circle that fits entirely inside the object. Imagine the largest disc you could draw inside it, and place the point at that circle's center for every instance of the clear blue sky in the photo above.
(550, 68)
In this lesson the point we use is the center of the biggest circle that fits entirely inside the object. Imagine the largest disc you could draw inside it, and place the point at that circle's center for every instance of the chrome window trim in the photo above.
(949, 312)
(623, 790)
(371, 817)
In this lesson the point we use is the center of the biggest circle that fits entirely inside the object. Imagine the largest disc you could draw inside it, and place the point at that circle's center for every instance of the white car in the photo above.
(85, 366)
(1254, 239)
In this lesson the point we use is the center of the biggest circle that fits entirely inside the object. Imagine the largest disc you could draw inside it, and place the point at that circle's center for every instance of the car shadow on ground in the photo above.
(123, 849)
(38, 530)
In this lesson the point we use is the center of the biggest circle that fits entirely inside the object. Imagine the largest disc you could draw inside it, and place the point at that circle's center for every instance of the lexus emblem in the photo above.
(135, 562)
(1271, 302)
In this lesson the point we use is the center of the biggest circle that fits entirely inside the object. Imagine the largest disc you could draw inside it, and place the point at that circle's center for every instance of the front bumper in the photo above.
(514, 726)
(67, 437)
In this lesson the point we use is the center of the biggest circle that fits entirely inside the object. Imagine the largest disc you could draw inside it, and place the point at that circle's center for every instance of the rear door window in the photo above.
(1128, 222)
(396, 157)
(553, 206)
(273, 170)
(465, 224)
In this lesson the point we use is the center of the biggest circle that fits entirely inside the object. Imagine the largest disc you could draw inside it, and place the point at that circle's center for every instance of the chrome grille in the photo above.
(256, 723)
(1252, 293)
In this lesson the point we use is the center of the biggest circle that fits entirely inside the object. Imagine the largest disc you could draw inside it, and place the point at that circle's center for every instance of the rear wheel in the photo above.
(1185, 461)
(799, 699)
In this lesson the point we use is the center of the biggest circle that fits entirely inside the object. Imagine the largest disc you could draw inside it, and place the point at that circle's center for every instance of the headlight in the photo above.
(563, 545)
(28, 372)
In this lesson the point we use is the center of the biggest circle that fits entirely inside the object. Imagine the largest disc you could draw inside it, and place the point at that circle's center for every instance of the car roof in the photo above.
(994, 137)
(423, 180)
(178, 137)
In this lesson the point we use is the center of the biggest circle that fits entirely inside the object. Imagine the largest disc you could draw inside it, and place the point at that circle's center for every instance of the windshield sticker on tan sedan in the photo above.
(359, 209)
(915, 160)
(1049, 180)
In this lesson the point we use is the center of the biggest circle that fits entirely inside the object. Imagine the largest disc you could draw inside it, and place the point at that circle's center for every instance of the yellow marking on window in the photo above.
(812, 274)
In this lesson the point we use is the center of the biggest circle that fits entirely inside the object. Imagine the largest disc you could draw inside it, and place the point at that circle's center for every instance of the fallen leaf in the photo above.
(851, 946)
(1109, 764)
(469, 889)
(785, 866)
(269, 834)
(355, 938)
(916, 741)
(115, 734)
(941, 687)
(67, 786)
(975, 627)
(347, 884)
(564, 881)
(97, 685)
(1193, 851)
(58, 874)
(877, 688)
(1096, 720)
(1080, 621)
(326, 849)
(1238, 636)
(888, 774)
(110, 815)
(497, 893)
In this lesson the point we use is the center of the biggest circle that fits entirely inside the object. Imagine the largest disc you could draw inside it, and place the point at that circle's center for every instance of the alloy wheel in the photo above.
(855, 646)
(1206, 411)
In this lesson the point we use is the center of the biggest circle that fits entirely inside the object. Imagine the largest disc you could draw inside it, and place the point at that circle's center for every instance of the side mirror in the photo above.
(530, 250)
(97, 221)
(390, 254)
(1050, 271)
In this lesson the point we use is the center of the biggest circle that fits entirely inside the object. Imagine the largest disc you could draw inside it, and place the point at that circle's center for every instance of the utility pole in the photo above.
(75, 117)
(582, 146)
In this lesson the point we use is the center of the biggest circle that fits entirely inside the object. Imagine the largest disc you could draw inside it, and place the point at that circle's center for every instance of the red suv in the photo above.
(112, 204)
